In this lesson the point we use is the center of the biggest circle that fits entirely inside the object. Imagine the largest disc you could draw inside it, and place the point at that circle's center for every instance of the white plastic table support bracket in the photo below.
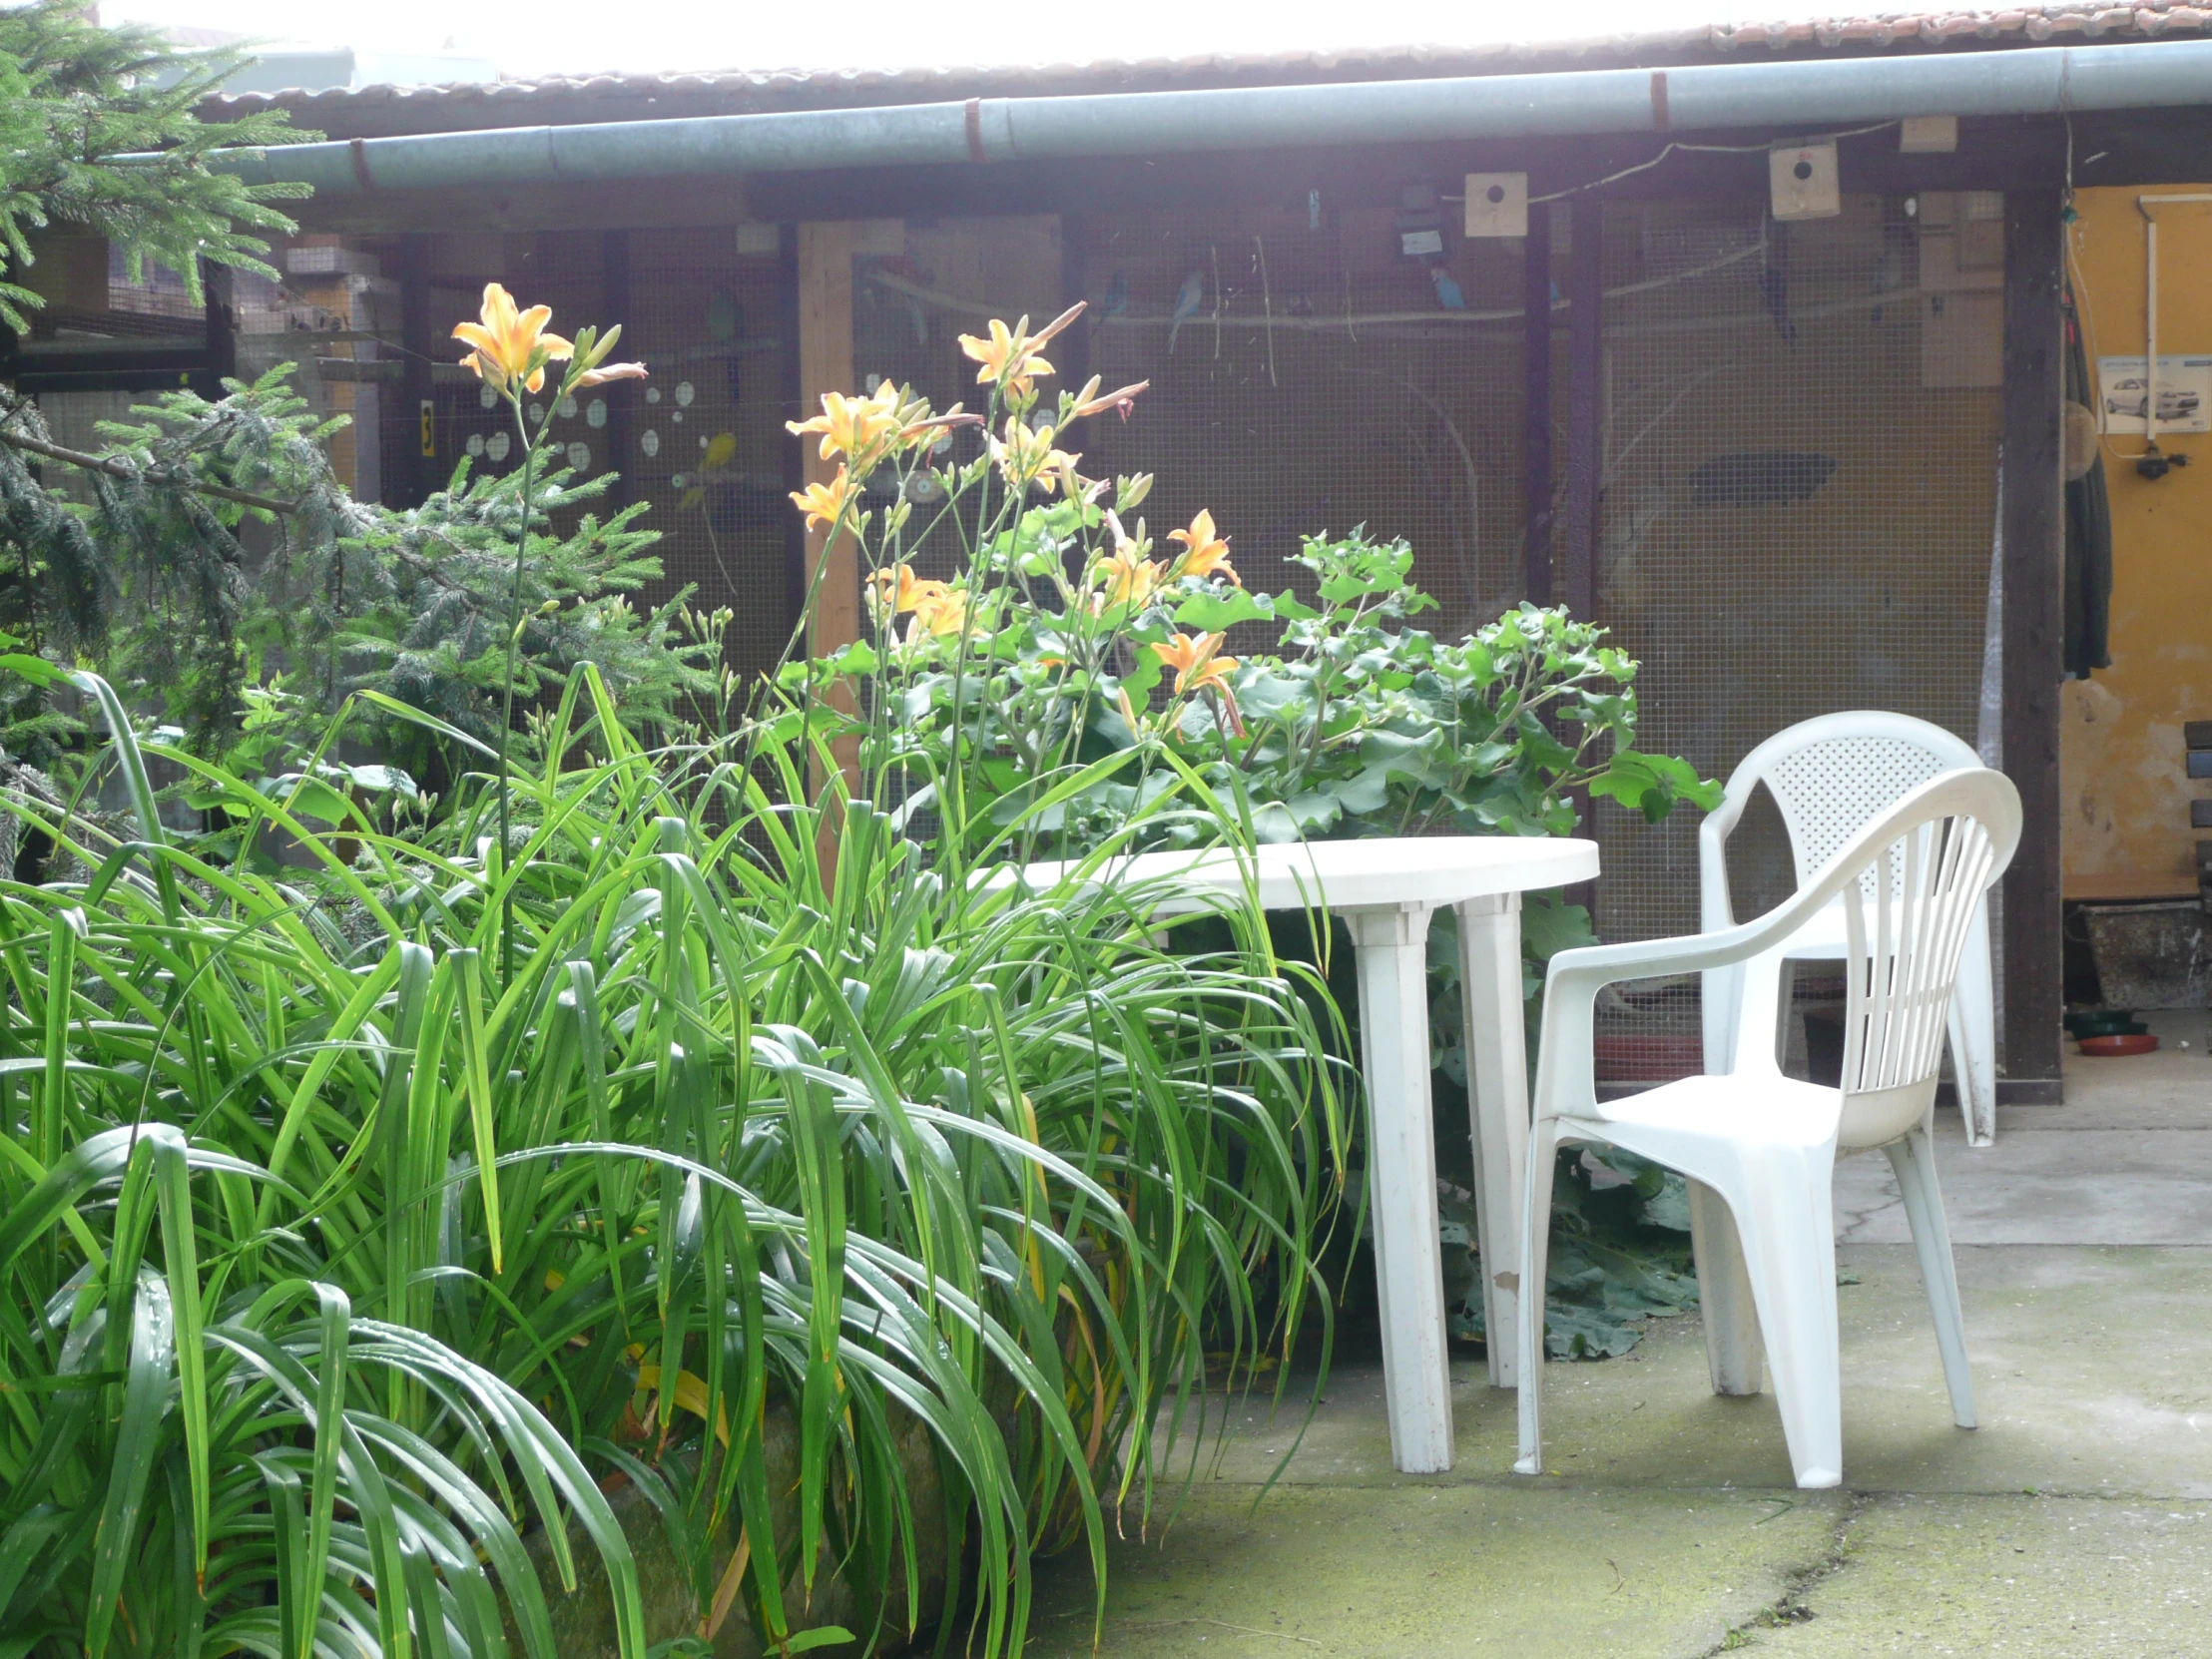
(1497, 1097)
(1401, 1163)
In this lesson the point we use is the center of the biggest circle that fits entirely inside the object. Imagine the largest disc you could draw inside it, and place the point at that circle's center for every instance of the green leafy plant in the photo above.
(839, 1237)
(74, 98)
(1619, 1258)
(1356, 724)
(209, 553)
(223, 576)
(1071, 677)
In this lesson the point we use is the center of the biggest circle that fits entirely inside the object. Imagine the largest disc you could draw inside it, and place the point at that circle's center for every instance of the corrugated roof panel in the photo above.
(370, 110)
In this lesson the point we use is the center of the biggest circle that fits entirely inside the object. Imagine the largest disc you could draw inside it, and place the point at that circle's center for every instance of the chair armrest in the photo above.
(1565, 1069)
(1566, 1079)
(1714, 909)
(1596, 965)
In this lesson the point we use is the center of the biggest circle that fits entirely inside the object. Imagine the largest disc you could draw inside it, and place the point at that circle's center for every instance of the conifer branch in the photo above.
(114, 466)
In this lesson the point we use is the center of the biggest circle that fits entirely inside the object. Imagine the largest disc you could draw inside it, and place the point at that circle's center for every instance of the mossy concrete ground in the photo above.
(2076, 1521)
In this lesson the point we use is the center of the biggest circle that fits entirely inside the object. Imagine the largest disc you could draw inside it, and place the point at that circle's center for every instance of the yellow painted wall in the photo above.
(2127, 796)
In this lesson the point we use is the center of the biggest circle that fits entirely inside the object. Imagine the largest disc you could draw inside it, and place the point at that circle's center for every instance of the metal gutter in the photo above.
(1801, 95)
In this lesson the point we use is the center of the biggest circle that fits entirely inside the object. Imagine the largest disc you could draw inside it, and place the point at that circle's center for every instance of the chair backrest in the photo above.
(1909, 886)
(1833, 776)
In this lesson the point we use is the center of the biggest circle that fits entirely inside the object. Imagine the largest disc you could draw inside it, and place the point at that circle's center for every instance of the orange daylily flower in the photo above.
(1026, 457)
(1006, 356)
(1128, 579)
(511, 346)
(940, 612)
(823, 503)
(1196, 667)
(859, 428)
(1009, 355)
(904, 591)
(1207, 553)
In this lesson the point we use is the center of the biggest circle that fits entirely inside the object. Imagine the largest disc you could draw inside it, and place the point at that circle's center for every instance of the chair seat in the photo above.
(1765, 1109)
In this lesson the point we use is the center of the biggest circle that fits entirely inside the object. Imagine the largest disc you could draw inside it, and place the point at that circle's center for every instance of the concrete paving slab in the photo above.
(2029, 1189)
(2126, 1160)
(2044, 1578)
(2075, 1523)
(1441, 1572)
(2090, 1375)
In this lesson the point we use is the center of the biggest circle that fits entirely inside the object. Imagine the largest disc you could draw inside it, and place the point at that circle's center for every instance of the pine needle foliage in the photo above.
(219, 556)
(209, 563)
(75, 96)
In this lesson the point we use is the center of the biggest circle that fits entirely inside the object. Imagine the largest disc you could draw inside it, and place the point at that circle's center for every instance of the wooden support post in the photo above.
(1576, 583)
(826, 364)
(2032, 518)
(222, 323)
(418, 470)
(620, 396)
(1574, 572)
(1536, 406)
(789, 387)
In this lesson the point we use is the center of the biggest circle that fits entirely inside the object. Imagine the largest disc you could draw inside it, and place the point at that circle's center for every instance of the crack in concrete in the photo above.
(1853, 1219)
(1792, 1605)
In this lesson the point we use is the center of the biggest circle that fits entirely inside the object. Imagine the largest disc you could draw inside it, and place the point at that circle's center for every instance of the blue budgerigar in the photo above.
(1448, 294)
(1187, 300)
(1117, 295)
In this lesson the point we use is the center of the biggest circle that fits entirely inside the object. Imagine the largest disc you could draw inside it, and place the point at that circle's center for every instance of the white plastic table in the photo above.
(1386, 889)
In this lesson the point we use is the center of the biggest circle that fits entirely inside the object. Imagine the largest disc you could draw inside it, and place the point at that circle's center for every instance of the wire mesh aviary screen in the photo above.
(1800, 428)
(701, 441)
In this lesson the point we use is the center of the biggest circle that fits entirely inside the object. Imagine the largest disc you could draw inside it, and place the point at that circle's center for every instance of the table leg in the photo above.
(1402, 1164)
(1497, 1097)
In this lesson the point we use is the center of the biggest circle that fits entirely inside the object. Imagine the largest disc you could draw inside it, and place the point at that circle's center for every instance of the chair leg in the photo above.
(1732, 1348)
(1784, 1214)
(1914, 1159)
(1973, 1046)
(1536, 1262)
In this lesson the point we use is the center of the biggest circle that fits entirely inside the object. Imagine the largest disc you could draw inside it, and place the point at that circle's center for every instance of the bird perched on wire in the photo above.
(1448, 294)
(1117, 295)
(1188, 298)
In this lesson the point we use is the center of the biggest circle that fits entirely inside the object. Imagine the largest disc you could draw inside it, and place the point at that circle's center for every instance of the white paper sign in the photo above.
(2184, 393)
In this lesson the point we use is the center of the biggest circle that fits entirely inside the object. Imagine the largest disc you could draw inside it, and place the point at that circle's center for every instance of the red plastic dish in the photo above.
(2139, 1042)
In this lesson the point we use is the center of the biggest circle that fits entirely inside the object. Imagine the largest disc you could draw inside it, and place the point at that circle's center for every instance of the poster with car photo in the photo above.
(2184, 393)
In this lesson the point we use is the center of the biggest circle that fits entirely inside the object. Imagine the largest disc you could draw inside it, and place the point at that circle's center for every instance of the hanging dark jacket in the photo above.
(2088, 536)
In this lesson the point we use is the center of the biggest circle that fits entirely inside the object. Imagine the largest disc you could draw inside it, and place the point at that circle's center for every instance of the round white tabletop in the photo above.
(1433, 870)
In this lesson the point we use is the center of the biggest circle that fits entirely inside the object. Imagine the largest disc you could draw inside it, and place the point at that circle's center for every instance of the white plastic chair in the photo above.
(1760, 1148)
(1831, 776)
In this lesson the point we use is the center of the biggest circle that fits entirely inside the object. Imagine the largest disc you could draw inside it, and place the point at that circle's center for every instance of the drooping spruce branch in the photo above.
(116, 466)
(73, 96)
(217, 553)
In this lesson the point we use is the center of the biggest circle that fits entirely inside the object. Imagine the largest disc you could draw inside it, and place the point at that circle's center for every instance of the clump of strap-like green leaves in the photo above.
(346, 1289)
